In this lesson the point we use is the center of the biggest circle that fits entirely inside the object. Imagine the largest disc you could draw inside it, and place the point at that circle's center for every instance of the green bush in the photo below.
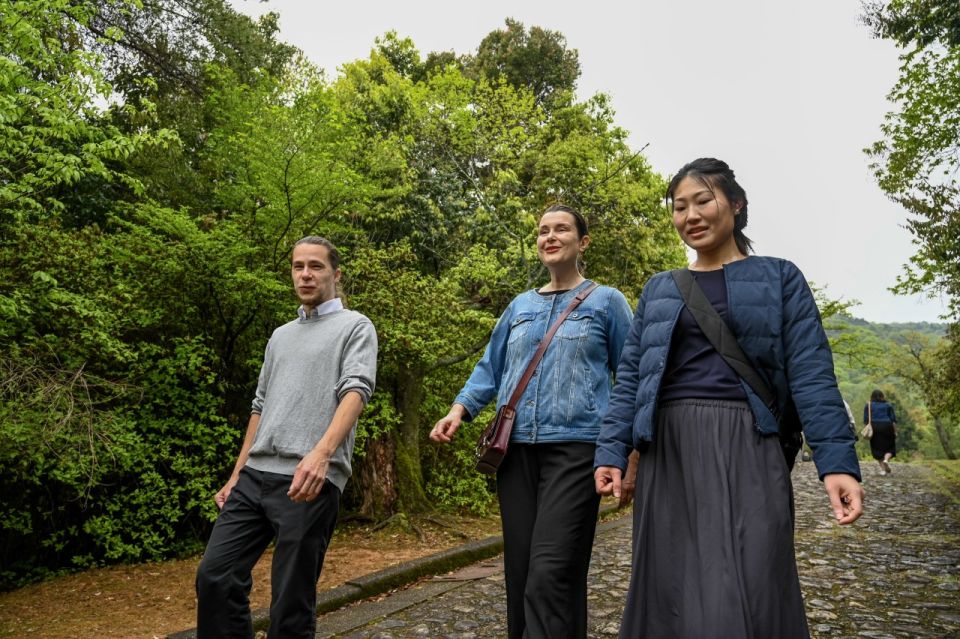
(87, 483)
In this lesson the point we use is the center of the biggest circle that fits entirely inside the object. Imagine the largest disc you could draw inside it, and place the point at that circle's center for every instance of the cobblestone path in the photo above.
(895, 573)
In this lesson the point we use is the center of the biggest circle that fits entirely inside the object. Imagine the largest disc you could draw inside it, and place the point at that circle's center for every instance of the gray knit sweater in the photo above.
(309, 365)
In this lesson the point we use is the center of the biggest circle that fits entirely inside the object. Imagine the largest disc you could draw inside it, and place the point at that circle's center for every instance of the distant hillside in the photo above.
(888, 329)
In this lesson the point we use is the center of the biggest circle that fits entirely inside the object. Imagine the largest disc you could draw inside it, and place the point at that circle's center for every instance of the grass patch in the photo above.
(945, 477)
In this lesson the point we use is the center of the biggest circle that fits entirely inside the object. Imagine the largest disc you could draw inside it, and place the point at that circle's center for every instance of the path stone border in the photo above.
(382, 581)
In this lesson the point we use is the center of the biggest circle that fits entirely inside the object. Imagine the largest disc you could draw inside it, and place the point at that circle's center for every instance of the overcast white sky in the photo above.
(788, 93)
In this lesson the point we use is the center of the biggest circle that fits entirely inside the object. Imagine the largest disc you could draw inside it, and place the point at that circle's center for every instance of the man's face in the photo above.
(313, 279)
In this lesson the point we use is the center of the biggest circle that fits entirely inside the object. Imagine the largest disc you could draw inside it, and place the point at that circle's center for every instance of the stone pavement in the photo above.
(895, 573)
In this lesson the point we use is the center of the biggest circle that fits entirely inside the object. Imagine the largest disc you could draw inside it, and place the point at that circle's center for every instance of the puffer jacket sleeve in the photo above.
(615, 441)
(619, 320)
(812, 383)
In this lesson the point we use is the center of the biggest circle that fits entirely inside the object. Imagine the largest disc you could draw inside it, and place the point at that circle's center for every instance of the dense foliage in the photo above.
(158, 159)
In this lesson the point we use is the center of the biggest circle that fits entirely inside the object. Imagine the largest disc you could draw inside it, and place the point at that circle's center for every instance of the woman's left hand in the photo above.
(628, 482)
(846, 497)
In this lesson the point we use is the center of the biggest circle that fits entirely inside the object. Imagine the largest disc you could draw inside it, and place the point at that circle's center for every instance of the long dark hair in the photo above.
(714, 173)
(877, 396)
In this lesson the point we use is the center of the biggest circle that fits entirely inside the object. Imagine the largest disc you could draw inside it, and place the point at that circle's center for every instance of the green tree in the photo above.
(173, 42)
(909, 22)
(472, 163)
(53, 134)
(538, 60)
(919, 363)
(916, 163)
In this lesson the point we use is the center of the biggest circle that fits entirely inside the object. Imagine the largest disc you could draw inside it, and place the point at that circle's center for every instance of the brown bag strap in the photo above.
(535, 360)
(869, 412)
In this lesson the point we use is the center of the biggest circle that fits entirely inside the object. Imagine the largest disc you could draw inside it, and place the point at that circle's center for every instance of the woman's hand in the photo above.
(846, 497)
(444, 429)
(608, 481)
(628, 483)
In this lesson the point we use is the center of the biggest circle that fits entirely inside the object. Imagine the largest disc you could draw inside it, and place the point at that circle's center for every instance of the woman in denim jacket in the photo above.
(713, 552)
(548, 505)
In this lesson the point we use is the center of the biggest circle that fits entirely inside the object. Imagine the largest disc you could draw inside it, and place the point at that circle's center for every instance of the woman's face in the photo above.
(558, 241)
(704, 217)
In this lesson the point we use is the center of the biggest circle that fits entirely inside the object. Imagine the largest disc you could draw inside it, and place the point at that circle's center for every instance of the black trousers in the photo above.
(548, 506)
(257, 512)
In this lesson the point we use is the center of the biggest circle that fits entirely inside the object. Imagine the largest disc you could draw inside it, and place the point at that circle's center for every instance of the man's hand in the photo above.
(309, 476)
(846, 497)
(221, 497)
(607, 479)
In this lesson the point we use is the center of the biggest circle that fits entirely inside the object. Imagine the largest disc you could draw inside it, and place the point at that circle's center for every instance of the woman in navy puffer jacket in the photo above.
(713, 516)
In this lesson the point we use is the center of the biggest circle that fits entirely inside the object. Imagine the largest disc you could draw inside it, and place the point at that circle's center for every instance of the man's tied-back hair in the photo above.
(324, 242)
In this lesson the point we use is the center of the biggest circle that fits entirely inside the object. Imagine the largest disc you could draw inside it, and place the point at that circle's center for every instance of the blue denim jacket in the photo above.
(569, 392)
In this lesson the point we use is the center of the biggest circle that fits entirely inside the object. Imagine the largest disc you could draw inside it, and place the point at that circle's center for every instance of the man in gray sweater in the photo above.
(318, 373)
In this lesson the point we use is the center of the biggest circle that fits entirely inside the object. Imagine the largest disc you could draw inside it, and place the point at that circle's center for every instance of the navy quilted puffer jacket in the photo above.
(773, 314)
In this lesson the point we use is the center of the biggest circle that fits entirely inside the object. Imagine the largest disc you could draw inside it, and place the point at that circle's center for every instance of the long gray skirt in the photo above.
(713, 553)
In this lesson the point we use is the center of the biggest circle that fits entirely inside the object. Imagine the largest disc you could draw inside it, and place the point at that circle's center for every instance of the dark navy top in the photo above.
(695, 370)
(882, 412)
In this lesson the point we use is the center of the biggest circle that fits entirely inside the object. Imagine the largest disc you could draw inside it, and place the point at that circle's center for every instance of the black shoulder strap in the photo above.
(720, 335)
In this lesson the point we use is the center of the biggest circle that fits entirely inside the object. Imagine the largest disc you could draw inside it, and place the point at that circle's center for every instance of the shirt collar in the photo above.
(330, 306)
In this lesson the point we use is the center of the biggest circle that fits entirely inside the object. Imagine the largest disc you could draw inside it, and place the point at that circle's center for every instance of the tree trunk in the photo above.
(377, 479)
(409, 397)
(944, 438)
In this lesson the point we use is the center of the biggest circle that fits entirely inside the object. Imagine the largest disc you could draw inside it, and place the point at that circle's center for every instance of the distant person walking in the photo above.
(548, 506)
(318, 373)
(878, 412)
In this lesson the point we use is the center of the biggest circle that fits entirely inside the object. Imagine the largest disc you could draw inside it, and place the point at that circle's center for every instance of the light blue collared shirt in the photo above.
(330, 306)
